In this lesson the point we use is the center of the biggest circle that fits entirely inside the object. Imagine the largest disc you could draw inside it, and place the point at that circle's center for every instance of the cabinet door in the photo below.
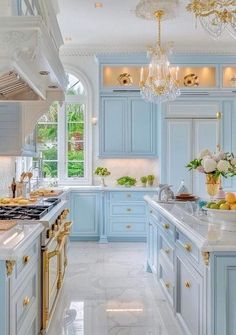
(189, 297)
(113, 126)
(85, 213)
(224, 278)
(179, 152)
(141, 128)
(204, 136)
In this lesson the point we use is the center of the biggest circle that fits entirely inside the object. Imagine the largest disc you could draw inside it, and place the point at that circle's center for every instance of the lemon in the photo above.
(230, 198)
(214, 206)
(225, 206)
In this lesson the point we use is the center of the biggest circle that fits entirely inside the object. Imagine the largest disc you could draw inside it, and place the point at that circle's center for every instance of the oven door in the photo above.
(63, 237)
(51, 278)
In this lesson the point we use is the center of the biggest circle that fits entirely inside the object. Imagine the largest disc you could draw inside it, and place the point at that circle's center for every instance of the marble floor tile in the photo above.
(108, 292)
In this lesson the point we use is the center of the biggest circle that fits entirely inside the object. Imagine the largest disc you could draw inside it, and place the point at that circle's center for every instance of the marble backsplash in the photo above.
(127, 167)
(7, 172)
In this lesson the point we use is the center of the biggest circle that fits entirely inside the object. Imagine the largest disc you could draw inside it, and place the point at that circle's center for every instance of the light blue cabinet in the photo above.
(128, 127)
(85, 211)
(224, 292)
(20, 294)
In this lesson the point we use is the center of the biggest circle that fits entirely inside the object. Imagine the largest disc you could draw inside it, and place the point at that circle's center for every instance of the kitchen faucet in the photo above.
(168, 193)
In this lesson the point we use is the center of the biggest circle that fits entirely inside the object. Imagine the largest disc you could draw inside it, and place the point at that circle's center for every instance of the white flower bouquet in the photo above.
(216, 164)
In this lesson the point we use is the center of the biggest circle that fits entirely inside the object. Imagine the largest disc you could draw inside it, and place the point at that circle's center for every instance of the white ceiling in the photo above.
(115, 26)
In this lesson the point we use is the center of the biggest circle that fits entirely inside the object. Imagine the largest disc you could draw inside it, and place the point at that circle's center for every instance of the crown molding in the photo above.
(91, 50)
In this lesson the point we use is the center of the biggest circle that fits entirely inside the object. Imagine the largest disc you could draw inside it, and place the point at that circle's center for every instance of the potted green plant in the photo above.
(144, 181)
(102, 172)
(150, 179)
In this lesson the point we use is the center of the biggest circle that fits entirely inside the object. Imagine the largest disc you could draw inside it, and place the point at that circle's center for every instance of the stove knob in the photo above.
(49, 233)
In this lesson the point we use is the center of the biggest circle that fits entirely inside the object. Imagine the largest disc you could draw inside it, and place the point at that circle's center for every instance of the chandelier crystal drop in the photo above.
(216, 16)
(161, 83)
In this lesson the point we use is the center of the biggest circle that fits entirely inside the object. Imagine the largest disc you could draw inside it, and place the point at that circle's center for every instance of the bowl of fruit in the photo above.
(223, 212)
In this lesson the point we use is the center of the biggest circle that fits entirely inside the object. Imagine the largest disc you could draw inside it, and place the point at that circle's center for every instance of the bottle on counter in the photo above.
(13, 188)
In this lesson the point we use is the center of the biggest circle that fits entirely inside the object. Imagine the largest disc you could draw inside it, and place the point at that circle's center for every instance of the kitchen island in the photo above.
(20, 279)
(195, 263)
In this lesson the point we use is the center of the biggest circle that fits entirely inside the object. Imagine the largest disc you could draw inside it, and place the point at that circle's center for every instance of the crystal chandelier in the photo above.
(215, 15)
(161, 83)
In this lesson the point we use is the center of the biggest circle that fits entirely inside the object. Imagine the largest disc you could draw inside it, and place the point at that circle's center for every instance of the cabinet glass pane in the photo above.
(229, 77)
(194, 77)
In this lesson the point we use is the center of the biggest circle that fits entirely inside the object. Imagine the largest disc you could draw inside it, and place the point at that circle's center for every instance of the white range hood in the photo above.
(29, 59)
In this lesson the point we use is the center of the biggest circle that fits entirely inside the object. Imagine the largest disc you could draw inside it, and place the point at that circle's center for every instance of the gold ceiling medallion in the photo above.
(162, 83)
(10, 266)
(125, 79)
(191, 80)
(215, 15)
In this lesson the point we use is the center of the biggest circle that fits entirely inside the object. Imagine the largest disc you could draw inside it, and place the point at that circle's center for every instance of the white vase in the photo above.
(103, 182)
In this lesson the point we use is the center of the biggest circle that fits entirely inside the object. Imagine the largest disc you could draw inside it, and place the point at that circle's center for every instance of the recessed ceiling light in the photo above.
(98, 5)
(44, 73)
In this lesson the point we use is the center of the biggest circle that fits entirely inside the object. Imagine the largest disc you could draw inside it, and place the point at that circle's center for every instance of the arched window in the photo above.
(63, 136)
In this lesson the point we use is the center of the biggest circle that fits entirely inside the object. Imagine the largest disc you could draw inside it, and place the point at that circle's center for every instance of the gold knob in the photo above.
(166, 226)
(26, 301)
(167, 285)
(187, 284)
(26, 259)
(188, 247)
(129, 226)
(129, 209)
(167, 251)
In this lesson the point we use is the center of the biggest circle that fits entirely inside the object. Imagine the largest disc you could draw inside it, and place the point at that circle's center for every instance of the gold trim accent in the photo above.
(26, 259)
(26, 301)
(10, 266)
(187, 284)
(206, 257)
(188, 247)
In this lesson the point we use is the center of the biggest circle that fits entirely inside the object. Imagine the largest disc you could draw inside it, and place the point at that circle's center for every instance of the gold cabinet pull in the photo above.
(26, 259)
(151, 211)
(128, 195)
(26, 301)
(188, 247)
(129, 209)
(128, 226)
(167, 251)
(167, 285)
(187, 284)
(166, 226)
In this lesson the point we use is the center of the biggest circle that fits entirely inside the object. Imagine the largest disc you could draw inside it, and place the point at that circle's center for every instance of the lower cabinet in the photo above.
(189, 297)
(20, 293)
(85, 211)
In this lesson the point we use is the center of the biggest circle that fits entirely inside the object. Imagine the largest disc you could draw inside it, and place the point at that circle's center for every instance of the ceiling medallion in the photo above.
(215, 15)
(161, 83)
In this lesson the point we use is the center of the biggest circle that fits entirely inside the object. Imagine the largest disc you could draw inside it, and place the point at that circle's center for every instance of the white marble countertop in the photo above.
(208, 236)
(14, 241)
(107, 188)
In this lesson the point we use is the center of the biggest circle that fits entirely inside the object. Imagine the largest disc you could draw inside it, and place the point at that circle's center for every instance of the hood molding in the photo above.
(27, 48)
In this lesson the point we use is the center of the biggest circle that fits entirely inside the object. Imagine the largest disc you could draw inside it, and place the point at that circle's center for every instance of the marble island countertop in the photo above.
(14, 241)
(207, 235)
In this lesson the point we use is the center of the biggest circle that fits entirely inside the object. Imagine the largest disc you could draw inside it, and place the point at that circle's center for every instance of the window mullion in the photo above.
(62, 142)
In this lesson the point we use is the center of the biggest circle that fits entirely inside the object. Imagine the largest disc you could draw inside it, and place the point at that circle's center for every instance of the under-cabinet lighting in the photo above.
(98, 5)
(124, 310)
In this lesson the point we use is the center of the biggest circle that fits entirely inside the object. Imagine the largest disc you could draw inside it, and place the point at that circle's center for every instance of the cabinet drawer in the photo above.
(166, 277)
(127, 209)
(30, 256)
(168, 228)
(128, 227)
(186, 245)
(128, 196)
(24, 303)
(166, 248)
(189, 297)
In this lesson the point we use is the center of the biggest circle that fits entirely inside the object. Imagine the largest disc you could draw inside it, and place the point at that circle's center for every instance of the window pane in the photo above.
(75, 132)
(75, 112)
(46, 133)
(49, 152)
(75, 87)
(75, 152)
(49, 169)
(51, 115)
(76, 169)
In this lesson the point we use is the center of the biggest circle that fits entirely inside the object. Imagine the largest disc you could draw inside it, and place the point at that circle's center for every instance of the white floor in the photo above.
(108, 292)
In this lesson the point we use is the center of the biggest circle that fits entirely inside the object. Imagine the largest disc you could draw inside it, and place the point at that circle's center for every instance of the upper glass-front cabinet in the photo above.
(229, 77)
(128, 77)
